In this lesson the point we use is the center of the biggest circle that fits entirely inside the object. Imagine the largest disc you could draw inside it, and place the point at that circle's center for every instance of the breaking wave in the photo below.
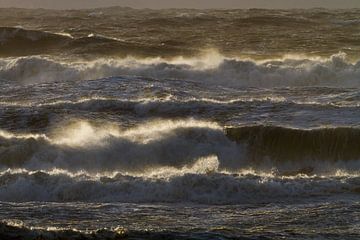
(208, 187)
(102, 147)
(106, 148)
(208, 68)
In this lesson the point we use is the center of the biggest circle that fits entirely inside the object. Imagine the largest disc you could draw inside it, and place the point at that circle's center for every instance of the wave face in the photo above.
(280, 143)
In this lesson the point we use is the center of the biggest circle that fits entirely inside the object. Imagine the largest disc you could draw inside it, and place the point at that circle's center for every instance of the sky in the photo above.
(61, 4)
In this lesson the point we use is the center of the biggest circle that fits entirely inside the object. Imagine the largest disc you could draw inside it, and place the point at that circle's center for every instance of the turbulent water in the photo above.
(179, 124)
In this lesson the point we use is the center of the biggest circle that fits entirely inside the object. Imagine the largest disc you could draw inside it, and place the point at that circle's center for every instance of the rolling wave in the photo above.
(18, 41)
(39, 115)
(210, 68)
(23, 42)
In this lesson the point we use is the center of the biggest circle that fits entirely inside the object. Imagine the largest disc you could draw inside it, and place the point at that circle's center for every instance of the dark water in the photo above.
(179, 124)
(163, 221)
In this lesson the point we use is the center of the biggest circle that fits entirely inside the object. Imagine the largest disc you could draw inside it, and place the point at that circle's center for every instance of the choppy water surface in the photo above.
(162, 221)
(179, 124)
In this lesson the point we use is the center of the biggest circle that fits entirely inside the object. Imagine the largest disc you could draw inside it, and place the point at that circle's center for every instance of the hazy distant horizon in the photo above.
(158, 4)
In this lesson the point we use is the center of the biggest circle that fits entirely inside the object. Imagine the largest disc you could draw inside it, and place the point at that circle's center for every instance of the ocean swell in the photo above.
(18, 41)
(25, 42)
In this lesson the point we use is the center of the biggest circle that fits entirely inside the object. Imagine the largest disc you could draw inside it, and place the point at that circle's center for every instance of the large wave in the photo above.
(178, 161)
(210, 68)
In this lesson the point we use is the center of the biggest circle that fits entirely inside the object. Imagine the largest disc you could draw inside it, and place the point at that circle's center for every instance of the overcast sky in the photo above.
(182, 3)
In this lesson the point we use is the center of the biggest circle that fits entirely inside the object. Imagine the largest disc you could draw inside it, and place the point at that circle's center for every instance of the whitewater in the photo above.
(179, 124)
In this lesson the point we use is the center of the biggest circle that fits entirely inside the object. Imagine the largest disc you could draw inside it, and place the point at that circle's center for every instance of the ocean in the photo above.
(119, 123)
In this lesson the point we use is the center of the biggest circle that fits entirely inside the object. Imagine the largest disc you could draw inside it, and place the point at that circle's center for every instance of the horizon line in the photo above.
(180, 8)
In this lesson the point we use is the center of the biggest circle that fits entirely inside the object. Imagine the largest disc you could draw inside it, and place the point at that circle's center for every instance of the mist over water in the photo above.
(235, 117)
